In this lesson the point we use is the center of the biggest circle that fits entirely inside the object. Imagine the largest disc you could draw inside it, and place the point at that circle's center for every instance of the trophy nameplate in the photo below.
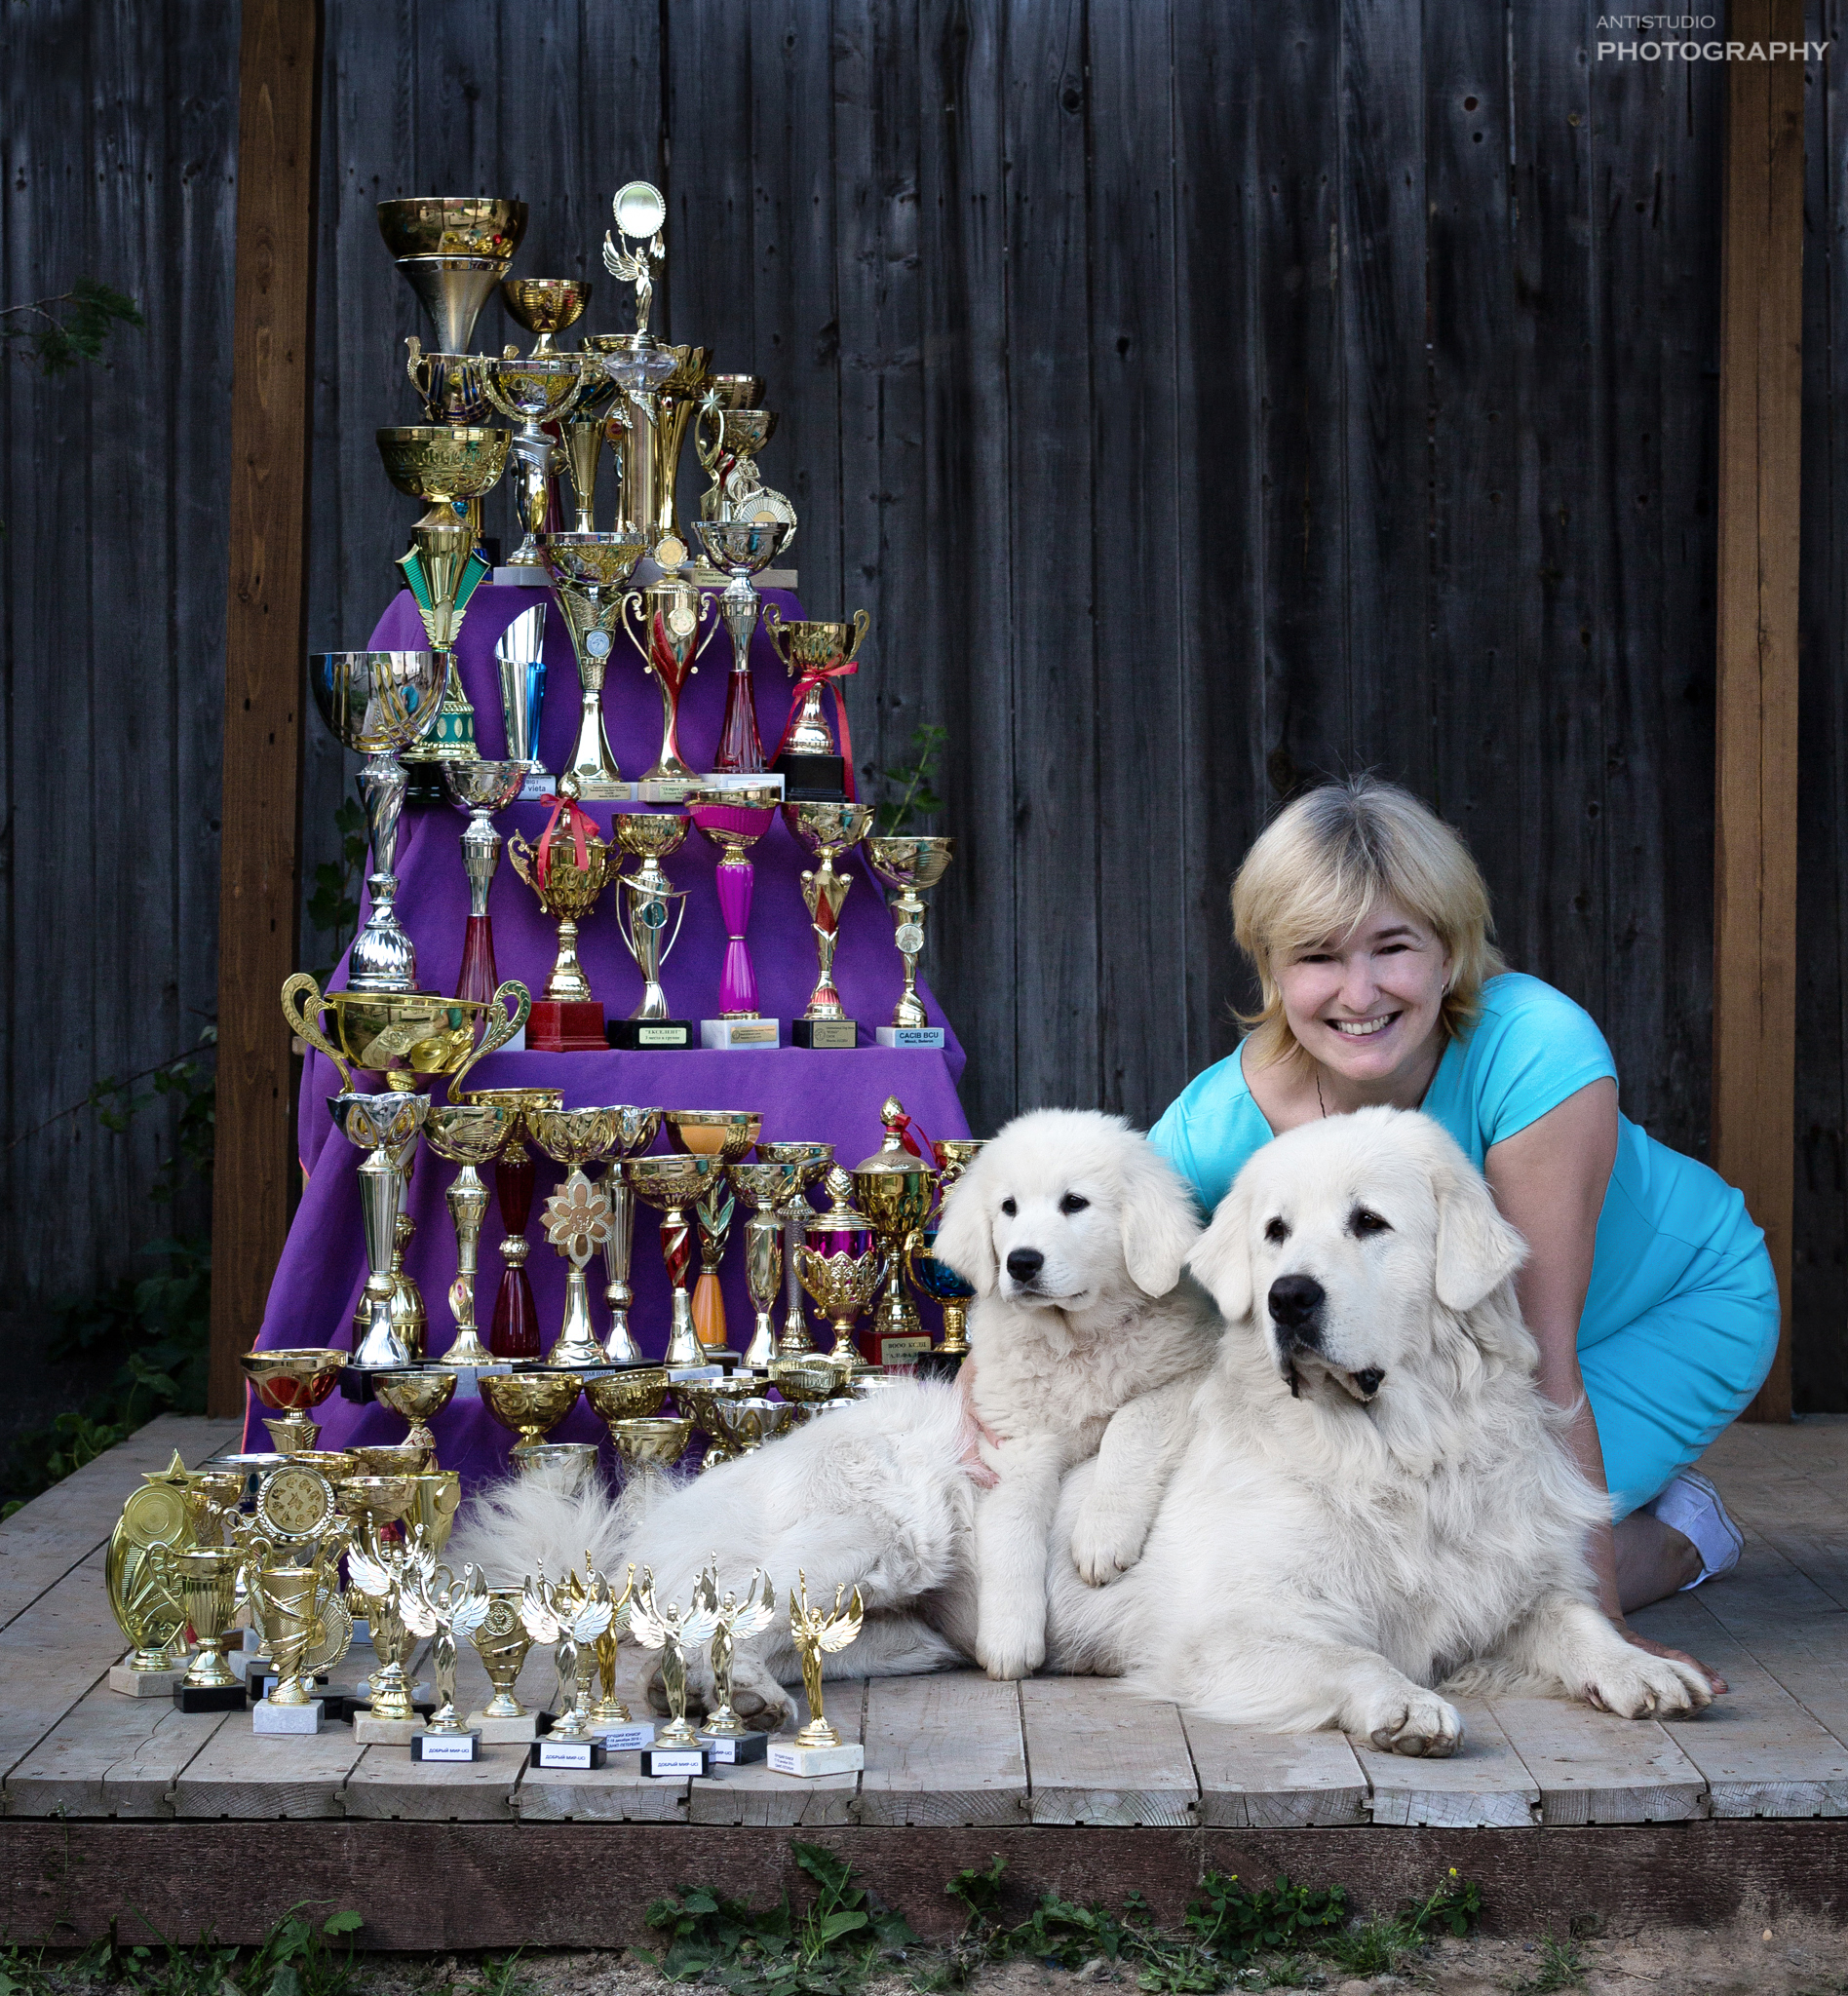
(435, 1747)
(628, 1736)
(734, 1035)
(921, 1036)
(896, 1351)
(674, 1763)
(579, 1754)
(832, 1035)
(651, 1035)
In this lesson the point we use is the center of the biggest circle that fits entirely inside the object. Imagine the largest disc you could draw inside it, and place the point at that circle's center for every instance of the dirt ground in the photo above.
(1791, 1957)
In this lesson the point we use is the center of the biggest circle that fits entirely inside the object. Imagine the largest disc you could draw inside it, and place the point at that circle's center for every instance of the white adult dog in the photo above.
(1073, 1231)
(1375, 1497)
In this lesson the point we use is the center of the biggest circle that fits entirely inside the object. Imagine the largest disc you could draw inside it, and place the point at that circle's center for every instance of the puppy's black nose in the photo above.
(1024, 1263)
(1294, 1300)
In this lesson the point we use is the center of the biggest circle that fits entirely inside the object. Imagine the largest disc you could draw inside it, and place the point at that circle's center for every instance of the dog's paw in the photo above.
(1010, 1638)
(1104, 1545)
(758, 1699)
(1411, 1720)
(1639, 1686)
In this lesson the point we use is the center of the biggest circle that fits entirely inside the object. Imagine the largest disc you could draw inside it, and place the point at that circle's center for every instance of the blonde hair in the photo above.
(1321, 865)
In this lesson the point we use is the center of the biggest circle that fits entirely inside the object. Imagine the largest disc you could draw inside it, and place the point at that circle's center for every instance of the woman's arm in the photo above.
(1550, 1180)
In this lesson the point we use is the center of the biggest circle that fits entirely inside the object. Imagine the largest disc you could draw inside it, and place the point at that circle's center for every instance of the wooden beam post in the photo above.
(266, 619)
(1755, 830)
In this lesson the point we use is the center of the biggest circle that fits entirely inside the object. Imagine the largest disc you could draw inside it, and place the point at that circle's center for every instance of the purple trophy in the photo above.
(734, 821)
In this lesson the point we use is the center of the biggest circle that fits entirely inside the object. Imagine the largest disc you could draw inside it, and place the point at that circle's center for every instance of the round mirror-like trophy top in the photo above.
(638, 208)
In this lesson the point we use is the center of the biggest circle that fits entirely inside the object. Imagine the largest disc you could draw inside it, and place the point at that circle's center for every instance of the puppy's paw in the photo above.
(1410, 1721)
(1009, 1638)
(1105, 1544)
(1639, 1686)
(758, 1699)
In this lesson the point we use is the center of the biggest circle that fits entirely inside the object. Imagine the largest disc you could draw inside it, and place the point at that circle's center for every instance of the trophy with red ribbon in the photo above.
(734, 821)
(671, 611)
(827, 830)
(568, 870)
(817, 655)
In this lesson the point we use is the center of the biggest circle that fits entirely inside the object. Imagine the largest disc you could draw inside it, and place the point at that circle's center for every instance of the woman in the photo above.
(1647, 1286)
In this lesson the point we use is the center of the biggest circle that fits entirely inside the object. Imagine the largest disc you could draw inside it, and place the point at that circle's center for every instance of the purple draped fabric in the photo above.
(821, 1096)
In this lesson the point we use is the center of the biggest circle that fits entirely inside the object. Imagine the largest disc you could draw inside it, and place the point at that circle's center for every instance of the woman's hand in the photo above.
(1673, 1656)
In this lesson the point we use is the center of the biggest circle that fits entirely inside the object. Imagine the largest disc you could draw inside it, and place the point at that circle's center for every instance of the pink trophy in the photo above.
(734, 821)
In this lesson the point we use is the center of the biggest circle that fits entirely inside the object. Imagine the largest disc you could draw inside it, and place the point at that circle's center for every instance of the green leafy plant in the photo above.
(831, 1947)
(1560, 1967)
(907, 786)
(332, 905)
(56, 333)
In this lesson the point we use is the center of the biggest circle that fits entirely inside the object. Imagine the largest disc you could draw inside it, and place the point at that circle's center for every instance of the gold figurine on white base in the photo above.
(818, 1632)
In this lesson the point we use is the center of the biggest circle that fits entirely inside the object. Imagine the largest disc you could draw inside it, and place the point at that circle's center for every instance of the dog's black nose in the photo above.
(1294, 1300)
(1024, 1263)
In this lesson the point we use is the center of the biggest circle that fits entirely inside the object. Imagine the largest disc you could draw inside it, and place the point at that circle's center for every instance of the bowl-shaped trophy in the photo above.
(514, 1325)
(591, 572)
(292, 1381)
(375, 1501)
(566, 1467)
(453, 249)
(568, 870)
(740, 549)
(378, 703)
(417, 1399)
(576, 1217)
(636, 1130)
(649, 1445)
(532, 1404)
(634, 1395)
(449, 386)
(388, 1458)
(827, 830)
(700, 1398)
(545, 305)
(443, 467)
(408, 1037)
(811, 1162)
(805, 1381)
(532, 393)
(471, 1134)
(746, 1424)
(723, 1133)
(673, 1185)
(913, 865)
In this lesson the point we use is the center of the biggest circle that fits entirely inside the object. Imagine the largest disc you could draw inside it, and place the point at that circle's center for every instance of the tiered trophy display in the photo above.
(304, 1541)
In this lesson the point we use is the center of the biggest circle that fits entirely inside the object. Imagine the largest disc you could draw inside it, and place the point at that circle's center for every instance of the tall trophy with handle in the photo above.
(827, 830)
(913, 865)
(646, 905)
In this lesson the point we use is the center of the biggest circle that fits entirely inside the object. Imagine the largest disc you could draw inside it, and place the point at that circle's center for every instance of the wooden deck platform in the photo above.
(118, 1807)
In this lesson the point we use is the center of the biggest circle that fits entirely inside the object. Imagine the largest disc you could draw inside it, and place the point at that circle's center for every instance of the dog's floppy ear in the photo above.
(1158, 1219)
(965, 1237)
(1221, 1259)
(1477, 1248)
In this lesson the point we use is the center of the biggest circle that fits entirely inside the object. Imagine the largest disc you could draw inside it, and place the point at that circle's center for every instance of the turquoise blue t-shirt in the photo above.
(1669, 1226)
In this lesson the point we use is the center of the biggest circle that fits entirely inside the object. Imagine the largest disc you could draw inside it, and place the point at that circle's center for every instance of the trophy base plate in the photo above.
(911, 1036)
(896, 1351)
(261, 1683)
(836, 1035)
(499, 1732)
(208, 1697)
(369, 1730)
(735, 1749)
(566, 1026)
(266, 1717)
(581, 1754)
(507, 576)
(650, 1035)
(435, 1747)
(537, 785)
(147, 1683)
(674, 1763)
(787, 1757)
(624, 1735)
(812, 779)
(734, 1035)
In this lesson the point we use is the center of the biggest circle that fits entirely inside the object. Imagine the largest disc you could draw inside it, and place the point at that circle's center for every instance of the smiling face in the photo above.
(1367, 1005)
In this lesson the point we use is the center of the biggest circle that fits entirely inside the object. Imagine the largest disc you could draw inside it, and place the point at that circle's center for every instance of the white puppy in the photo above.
(1375, 1496)
(1072, 1231)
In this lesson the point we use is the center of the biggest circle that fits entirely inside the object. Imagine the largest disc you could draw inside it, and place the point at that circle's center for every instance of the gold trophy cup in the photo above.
(576, 1217)
(913, 865)
(291, 1382)
(672, 1184)
(827, 830)
(591, 573)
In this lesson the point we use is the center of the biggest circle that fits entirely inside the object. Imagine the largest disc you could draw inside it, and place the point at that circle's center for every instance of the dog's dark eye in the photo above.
(1362, 1222)
(1009, 1207)
(1071, 1203)
(1275, 1232)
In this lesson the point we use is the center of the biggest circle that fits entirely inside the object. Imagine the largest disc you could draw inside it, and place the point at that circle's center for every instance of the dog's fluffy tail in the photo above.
(510, 1528)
